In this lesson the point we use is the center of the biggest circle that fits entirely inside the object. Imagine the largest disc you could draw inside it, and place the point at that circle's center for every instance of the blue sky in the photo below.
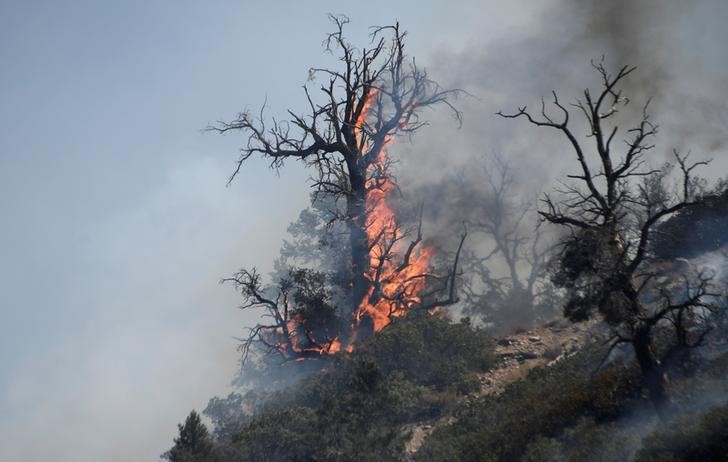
(116, 222)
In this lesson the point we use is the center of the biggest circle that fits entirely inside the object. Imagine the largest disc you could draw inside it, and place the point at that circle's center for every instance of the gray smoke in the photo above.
(677, 47)
(682, 68)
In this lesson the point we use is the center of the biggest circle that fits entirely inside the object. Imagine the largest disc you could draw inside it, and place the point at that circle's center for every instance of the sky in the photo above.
(117, 223)
(116, 220)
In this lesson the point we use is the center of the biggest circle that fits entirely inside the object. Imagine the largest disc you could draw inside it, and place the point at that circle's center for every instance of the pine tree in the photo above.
(193, 443)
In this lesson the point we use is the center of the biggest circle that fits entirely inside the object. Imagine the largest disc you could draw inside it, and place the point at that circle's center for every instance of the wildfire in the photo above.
(394, 282)
(396, 265)
(292, 341)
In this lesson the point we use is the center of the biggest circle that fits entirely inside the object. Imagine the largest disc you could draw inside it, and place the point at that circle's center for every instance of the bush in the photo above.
(697, 437)
(285, 434)
(694, 230)
(543, 404)
(357, 408)
(587, 440)
(432, 351)
(358, 420)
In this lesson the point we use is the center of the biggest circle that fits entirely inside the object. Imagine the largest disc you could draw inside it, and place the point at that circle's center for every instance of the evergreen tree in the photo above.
(193, 443)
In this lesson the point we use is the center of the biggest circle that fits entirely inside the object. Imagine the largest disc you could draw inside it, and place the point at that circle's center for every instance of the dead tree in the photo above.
(611, 211)
(375, 95)
(504, 279)
(504, 221)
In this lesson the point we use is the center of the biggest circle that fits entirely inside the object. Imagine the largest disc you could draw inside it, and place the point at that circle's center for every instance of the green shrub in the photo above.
(356, 409)
(697, 437)
(586, 441)
(543, 404)
(432, 351)
(285, 434)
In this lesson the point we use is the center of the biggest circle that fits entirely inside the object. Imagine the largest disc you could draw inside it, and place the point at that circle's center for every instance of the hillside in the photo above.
(536, 396)
(426, 388)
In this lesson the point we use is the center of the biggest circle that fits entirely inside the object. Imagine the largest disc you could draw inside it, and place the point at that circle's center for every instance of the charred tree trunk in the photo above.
(357, 221)
(651, 368)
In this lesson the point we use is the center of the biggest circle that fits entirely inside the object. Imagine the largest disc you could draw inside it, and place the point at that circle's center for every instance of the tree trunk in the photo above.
(356, 213)
(652, 374)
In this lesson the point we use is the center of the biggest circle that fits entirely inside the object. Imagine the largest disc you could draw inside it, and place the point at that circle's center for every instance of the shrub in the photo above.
(432, 351)
(543, 404)
(356, 409)
(697, 437)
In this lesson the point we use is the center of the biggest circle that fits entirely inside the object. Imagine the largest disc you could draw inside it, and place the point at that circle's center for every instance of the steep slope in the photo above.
(516, 355)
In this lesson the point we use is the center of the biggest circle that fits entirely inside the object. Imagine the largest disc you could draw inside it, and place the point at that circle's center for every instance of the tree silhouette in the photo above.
(375, 95)
(610, 208)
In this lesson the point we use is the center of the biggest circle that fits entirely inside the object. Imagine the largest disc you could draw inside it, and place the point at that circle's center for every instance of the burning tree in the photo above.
(611, 208)
(375, 95)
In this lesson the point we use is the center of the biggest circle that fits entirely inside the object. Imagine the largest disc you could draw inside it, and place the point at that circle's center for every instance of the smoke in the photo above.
(682, 69)
(447, 168)
(676, 46)
(681, 66)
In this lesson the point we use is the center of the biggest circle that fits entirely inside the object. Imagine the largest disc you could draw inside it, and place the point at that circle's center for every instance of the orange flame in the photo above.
(394, 287)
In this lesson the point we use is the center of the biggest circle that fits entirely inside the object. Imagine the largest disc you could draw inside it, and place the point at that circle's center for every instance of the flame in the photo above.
(336, 347)
(394, 286)
(290, 340)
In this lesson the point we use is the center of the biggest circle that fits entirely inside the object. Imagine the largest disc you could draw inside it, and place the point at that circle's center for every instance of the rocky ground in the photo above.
(517, 354)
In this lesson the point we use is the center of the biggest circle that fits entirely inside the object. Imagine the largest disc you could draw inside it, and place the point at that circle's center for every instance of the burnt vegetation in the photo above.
(375, 341)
